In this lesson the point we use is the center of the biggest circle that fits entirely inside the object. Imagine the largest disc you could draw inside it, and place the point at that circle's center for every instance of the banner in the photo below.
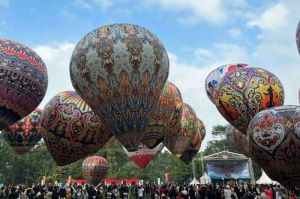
(228, 170)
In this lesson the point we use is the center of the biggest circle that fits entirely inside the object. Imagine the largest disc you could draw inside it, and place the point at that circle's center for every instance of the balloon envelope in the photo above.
(246, 91)
(23, 81)
(215, 76)
(161, 115)
(201, 128)
(298, 37)
(188, 142)
(274, 140)
(70, 129)
(238, 140)
(143, 156)
(120, 71)
(24, 134)
(94, 169)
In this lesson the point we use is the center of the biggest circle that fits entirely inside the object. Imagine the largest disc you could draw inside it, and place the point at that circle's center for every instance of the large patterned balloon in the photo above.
(94, 169)
(143, 156)
(188, 142)
(70, 129)
(215, 76)
(24, 134)
(246, 91)
(120, 71)
(274, 140)
(23, 81)
(201, 128)
(238, 140)
(161, 115)
(298, 37)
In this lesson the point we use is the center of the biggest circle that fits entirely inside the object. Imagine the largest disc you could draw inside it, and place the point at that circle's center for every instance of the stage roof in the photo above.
(225, 156)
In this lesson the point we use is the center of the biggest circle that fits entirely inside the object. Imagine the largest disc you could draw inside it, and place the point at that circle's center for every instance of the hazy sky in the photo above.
(199, 36)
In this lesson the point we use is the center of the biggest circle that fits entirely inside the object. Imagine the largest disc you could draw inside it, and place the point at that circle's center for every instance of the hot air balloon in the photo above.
(201, 128)
(188, 142)
(161, 115)
(215, 76)
(24, 134)
(238, 140)
(143, 156)
(23, 81)
(246, 91)
(298, 37)
(120, 71)
(94, 169)
(70, 129)
(274, 140)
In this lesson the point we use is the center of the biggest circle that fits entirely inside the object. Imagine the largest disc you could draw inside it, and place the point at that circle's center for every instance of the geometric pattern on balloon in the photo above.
(188, 141)
(24, 134)
(120, 71)
(161, 115)
(216, 75)
(70, 129)
(143, 156)
(23, 81)
(94, 169)
(298, 37)
(279, 151)
(245, 92)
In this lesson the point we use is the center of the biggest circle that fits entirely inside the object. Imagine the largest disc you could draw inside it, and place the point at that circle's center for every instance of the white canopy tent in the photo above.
(264, 179)
(205, 179)
(194, 181)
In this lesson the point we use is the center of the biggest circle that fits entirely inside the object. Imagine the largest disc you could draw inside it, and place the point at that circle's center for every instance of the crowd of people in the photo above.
(171, 191)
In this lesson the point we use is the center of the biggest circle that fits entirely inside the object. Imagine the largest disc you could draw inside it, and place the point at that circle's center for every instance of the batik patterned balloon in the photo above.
(23, 81)
(94, 169)
(298, 37)
(120, 71)
(274, 140)
(70, 129)
(201, 128)
(24, 134)
(246, 91)
(215, 76)
(238, 140)
(161, 115)
(143, 156)
(188, 141)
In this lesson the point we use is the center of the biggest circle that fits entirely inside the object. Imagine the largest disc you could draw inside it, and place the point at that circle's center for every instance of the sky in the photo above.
(199, 36)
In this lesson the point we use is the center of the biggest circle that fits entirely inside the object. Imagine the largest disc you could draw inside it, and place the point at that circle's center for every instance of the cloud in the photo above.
(273, 18)
(213, 11)
(234, 32)
(57, 60)
(4, 2)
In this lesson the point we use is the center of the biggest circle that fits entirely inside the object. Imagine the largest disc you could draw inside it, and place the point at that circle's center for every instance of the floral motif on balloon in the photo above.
(245, 92)
(274, 142)
(70, 129)
(24, 134)
(238, 140)
(298, 37)
(120, 71)
(188, 141)
(215, 76)
(94, 169)
(161, 115)
(143, 156)
(23, 81)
